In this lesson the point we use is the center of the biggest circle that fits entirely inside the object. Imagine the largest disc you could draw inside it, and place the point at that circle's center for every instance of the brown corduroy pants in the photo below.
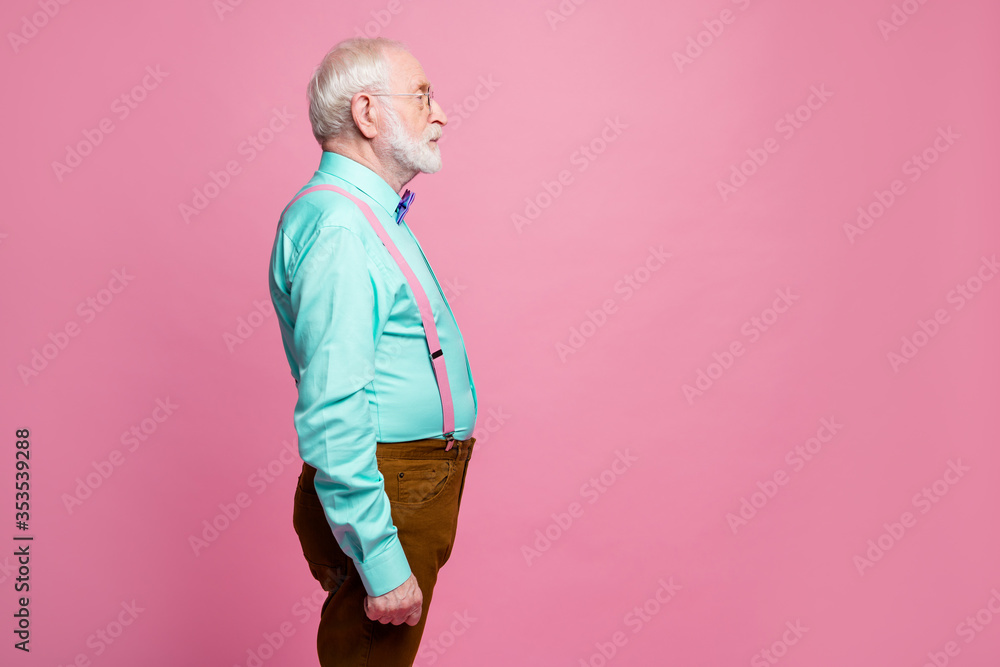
(424, 484)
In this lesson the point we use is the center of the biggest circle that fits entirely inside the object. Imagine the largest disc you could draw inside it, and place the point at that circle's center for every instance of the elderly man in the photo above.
(386, 403)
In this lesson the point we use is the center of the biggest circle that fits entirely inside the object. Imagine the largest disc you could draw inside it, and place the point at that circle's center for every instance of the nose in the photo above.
(437, 114)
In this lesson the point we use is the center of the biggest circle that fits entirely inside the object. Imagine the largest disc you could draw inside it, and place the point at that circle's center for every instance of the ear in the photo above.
(366, 115)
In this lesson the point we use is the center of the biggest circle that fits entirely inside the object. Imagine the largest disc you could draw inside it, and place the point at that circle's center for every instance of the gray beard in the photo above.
(412, 154)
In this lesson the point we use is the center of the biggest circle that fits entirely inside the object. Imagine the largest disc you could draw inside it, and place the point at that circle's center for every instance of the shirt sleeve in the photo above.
(334, 298)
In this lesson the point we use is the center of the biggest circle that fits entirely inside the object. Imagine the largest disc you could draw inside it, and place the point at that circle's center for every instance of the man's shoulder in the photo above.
(321, 209)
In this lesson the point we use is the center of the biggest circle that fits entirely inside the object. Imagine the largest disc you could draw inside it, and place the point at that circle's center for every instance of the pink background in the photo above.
(549, 422)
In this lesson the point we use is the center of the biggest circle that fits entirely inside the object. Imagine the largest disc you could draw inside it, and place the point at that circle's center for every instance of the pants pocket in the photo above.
(328, 563)
(458, 506)
(412, 482)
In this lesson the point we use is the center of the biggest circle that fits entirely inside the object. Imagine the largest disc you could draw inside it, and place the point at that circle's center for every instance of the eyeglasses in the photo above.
(428, 96)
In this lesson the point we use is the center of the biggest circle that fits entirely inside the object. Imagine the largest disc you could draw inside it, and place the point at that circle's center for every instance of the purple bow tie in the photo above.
(404, 206)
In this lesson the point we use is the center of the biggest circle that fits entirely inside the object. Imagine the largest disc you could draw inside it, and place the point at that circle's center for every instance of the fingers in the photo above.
(372, 614)
(400, 616)
(402, 605)
(414, 617)
(408, 615)
(397, 612)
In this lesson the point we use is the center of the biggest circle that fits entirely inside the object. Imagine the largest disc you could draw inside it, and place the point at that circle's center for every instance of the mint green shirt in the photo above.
(355, 345)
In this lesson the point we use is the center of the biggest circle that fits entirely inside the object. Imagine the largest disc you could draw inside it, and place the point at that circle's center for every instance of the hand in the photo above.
(402, 604)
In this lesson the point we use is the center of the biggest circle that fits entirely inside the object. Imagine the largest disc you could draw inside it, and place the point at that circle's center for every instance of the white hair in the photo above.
(352, 66)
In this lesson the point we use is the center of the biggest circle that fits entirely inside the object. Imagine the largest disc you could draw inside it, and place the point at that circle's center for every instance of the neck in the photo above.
(380, 161)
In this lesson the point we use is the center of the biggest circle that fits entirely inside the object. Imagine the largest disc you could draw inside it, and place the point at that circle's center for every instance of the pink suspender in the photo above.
(426, 314)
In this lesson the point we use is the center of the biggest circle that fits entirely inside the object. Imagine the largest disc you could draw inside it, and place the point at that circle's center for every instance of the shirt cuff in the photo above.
(386, 571)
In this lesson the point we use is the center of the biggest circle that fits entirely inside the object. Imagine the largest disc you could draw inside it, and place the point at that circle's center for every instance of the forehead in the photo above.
(406, 70)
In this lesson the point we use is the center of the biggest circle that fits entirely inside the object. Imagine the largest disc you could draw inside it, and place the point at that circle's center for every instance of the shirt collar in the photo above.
(361, 177)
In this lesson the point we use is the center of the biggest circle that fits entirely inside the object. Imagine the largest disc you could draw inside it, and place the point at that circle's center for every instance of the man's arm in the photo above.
(334, 299)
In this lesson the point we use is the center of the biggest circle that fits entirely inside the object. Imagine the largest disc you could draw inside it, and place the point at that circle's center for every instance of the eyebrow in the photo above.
(417, 85)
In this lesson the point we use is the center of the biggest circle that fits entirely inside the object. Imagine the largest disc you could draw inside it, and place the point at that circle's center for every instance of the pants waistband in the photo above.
(429, 448)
